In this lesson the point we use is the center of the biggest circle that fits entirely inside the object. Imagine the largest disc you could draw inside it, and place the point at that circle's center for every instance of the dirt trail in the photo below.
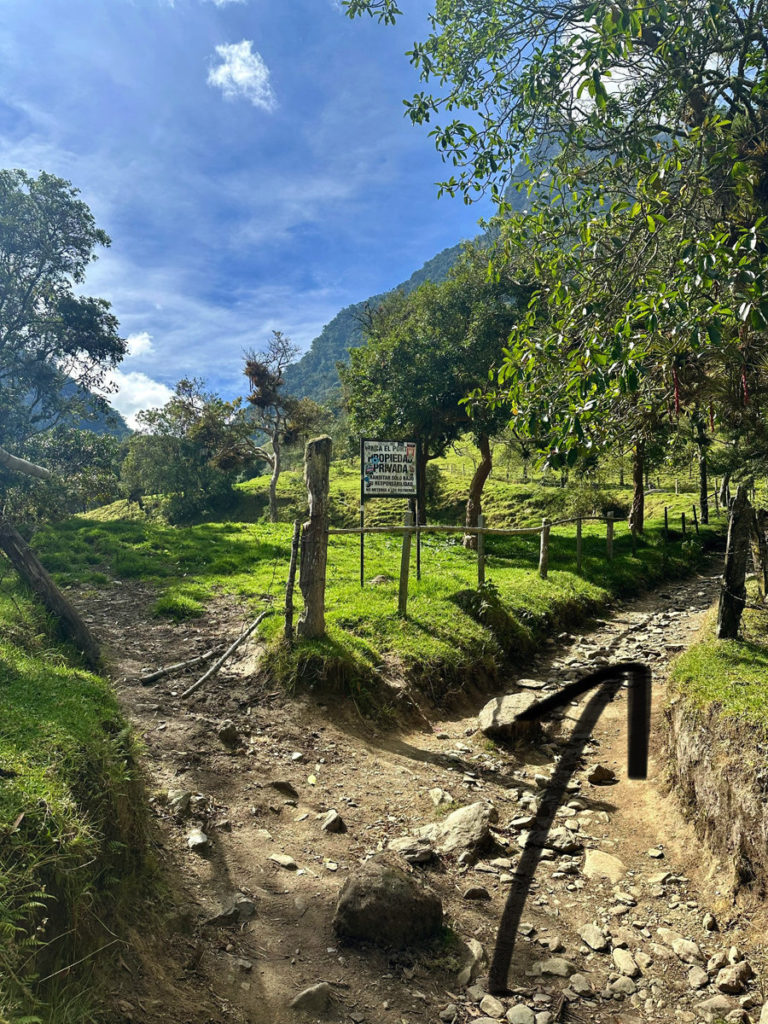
(183, 970)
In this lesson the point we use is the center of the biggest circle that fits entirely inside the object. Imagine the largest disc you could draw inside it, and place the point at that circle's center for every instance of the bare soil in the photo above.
(178, 969)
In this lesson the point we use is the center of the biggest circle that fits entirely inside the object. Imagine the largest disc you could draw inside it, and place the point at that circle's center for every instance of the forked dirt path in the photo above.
(183, 966)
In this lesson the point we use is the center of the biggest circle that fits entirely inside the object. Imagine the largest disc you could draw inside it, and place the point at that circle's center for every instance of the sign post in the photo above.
(388, 469)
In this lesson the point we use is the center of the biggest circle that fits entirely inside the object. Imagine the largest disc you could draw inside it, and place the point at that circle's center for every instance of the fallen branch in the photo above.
(230, 650)
(168, 670)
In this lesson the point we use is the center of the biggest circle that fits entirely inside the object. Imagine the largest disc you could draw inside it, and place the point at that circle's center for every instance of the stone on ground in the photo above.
(594, 937)
(498, 719)
(604, 865)
(314, 999)
(520, 1014)
(380, 903)
(466, 830)
(733, 980)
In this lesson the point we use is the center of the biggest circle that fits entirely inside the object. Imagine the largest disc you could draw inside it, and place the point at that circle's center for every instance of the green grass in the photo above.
(71, 808)
(731, 675)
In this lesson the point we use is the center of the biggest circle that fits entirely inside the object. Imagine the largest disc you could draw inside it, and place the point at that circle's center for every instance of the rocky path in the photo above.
(265, 807)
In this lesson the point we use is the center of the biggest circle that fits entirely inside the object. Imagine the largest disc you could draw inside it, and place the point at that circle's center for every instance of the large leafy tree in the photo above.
(424, 352)
(645, 128)
(56, 345)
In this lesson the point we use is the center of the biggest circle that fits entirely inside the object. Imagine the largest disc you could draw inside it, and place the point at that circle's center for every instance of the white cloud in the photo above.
(223, 3)
(242, 72)
(139, 344)
(134, 392)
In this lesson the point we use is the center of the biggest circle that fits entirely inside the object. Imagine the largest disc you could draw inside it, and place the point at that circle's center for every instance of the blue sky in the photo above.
(249, 159)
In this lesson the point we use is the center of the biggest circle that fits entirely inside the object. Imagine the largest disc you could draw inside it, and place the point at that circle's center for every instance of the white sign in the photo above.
(388, 469)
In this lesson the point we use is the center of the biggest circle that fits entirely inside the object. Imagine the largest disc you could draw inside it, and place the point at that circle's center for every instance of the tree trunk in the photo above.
(481, 474)
(17, 465)
(637, 515)
(28, 566)
(314, 538)
(273, 482)
(701, 444)
(724, 489)
(760, 550)
(422, 488)
(733, 591)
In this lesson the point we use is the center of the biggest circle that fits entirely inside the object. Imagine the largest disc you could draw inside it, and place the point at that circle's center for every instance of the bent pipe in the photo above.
(609, 681)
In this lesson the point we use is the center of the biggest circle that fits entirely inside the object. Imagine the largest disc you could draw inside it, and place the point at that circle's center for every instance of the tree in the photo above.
(282, 418)
(425, 351)
(56, 346)
(190, 451)
(645, 130)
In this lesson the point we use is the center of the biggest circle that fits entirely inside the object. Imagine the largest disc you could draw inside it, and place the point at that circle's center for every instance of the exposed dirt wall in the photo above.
(719, 768)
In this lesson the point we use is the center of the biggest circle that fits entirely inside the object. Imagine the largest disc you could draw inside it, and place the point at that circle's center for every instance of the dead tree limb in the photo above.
(169, 670)
(18, 465)
(33, 573)
(230, 650)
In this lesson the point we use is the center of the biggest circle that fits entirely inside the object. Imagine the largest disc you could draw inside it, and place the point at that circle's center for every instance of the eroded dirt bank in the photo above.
(646, 955)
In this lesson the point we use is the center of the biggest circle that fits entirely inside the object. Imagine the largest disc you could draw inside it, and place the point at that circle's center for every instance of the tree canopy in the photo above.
(56, 345)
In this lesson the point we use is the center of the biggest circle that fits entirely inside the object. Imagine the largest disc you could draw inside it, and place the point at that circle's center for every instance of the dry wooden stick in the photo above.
(168, 670)
(291, 581)
(230, 650)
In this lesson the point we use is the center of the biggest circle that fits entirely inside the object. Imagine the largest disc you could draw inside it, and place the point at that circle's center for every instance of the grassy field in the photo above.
(731, 674)
(72, 815)
(452, 632)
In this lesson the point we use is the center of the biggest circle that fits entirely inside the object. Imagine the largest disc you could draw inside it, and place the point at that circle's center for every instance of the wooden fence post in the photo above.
(717, 503)
(609, 537)
(666, 524)
(481, 552)
(682, 522)
(733, 591)
(314, 540)
(405, 565)
(578, 544)
(544, 550)
(695, 518)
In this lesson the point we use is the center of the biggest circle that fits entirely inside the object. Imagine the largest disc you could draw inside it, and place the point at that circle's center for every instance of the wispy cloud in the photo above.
(243, 73)
(134, 392)
(223, 3)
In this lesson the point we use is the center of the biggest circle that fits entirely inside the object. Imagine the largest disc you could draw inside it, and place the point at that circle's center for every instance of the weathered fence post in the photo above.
(544, 550)
(717, 503)
(288, 631)
(480, 551)
(733, 591)
(405, 565)
(609, 536)
(578, 544)
(314, 540)
(666, 524)
(760, 551)
(695, 518)
(633, 535)
(682, 522)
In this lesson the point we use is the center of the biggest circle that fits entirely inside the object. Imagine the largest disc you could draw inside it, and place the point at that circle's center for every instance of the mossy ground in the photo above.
(71, 814)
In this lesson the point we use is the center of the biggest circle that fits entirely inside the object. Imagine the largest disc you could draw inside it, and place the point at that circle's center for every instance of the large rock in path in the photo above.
(603, 865)
(380, 903)
(464, 831)
(498, 719)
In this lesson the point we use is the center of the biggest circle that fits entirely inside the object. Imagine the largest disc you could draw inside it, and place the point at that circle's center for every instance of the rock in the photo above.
(284, 861)
(687, 951)
(580, 984)
(315, 999)
(449, 1013)
(197, 840)
(554, 965)
(601, 776)
(472, 957)
(413, 849)
(466, 830)
(380, 903)
(594, 937)
(710, 923)
(603, 865)
(660, 878)
(476, 892)
(698, 977)
(733, 980)
(764, 1014)
(531, 684)
(735, 955)
(440, 797)
(656, 853)
(333, 822)
(716, 1004)
(178, 801)
(520, 1014)
(498, 719)
(228, 733)
(717, 961)
(625, 963)
(285, 787)
(243, 909)
(492, 1006)
(623, 986)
